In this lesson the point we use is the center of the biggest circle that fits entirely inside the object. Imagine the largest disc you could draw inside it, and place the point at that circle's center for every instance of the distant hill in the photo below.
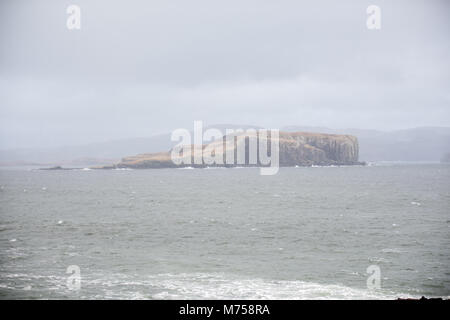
(102, 153)
(446, 158)
(418, 144)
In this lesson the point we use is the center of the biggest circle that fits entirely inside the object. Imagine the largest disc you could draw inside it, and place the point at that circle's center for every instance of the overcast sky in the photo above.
(137, 68)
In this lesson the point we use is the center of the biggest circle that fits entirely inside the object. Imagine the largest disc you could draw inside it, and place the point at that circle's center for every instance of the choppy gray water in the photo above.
(226, 233)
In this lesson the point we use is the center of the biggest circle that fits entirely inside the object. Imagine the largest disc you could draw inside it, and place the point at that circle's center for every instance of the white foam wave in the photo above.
(391, 250)
(196, 286)
(216, 286)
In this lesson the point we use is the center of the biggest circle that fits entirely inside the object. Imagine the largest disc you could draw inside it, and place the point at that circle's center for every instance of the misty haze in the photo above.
(130, 135)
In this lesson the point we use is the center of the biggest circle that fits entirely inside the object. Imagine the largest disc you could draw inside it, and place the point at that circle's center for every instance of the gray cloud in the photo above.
(137, 68)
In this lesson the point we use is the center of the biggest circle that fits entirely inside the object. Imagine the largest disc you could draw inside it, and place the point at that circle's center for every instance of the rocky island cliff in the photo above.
(295, 149)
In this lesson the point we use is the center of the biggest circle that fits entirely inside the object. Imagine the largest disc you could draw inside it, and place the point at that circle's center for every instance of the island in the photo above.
(295, 149)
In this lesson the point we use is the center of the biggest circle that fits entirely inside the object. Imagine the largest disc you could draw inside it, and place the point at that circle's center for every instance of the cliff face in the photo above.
(296, 148)
(300, 148)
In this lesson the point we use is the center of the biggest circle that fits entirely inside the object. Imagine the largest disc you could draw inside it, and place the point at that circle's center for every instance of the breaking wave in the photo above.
(219, 286)
(199, 286)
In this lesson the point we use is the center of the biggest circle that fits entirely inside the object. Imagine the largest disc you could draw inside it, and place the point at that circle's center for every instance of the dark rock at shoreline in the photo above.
(57, 168)
(423, 298)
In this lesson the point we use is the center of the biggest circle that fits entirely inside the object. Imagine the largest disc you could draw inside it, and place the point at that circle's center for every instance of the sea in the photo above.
(380, 231)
